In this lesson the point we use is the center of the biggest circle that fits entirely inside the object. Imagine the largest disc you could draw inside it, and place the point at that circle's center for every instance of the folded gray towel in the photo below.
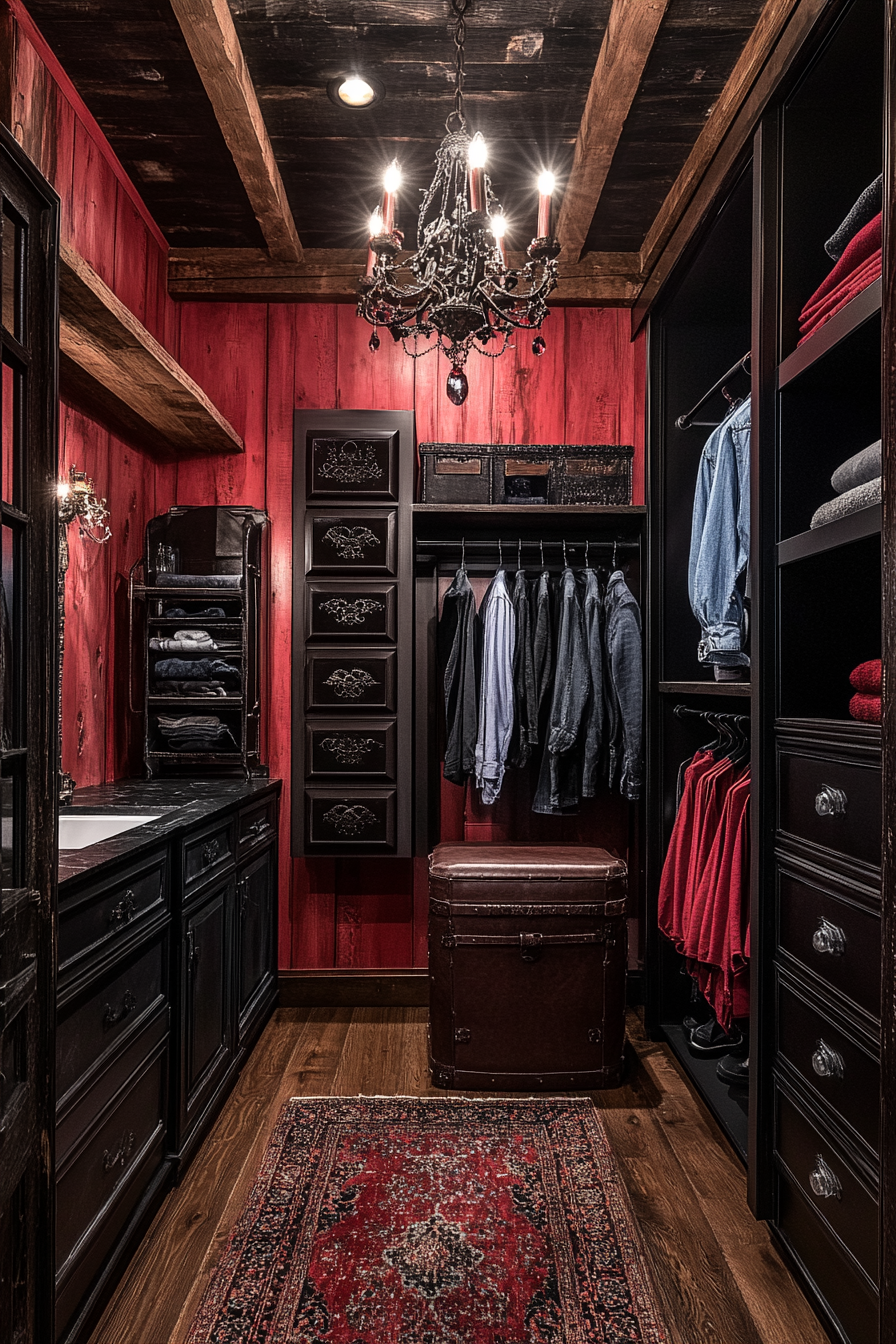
(866, 207)
(850, 502)
(864, 466)
(202, 646)
(198, 580)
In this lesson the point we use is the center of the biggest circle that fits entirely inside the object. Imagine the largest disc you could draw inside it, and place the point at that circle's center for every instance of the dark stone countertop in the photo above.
(180, 803)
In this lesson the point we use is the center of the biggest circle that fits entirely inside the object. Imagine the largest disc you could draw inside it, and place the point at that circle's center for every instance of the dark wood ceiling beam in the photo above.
(114, 368)
(209, 32)
(774, 42)
(628, 41)
(332, 275)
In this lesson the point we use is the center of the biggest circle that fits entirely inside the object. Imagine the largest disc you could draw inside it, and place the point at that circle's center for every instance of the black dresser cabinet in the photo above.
(167, 974)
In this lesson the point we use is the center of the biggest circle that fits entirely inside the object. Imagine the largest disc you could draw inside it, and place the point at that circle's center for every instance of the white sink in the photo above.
(81, 830)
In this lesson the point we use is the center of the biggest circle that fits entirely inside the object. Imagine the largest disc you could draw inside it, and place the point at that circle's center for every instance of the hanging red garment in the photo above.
(718, 932)
(673, 882)
(711, 792)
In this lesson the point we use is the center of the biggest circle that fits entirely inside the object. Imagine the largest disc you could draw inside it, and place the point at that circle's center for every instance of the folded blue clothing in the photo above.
(198, 580)
(196, 669)
(206, 614)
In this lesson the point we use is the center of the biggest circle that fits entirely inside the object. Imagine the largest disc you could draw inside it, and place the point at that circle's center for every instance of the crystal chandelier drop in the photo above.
(457, 292)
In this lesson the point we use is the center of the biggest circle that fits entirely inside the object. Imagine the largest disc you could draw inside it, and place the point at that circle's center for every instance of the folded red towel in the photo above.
(840, 297)
(858, 279)
(867, 677)
(864, 245)
(865, 707)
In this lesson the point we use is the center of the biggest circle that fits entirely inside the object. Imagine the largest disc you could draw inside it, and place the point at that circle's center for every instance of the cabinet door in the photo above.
(206, 1036)
(254, 958)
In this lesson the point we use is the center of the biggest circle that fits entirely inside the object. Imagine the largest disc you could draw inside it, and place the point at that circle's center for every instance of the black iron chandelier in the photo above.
(458, 293)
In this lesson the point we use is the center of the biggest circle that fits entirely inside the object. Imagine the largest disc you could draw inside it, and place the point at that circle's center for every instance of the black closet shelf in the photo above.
(856, 313)
(211, 624)
(728, 1104)
(191, 701)
(206, 594)
(863, 523)
(12, 753)
(741, 688)
(533, 510)
(225, 757)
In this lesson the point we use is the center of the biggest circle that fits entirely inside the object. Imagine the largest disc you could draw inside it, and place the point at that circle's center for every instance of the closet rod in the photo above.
(685, 421)
(511, 546)
(709, 714)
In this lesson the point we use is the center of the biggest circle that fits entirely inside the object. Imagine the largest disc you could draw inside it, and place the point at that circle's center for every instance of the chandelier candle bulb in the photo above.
(375, 229)
(499, 229)
(476, 157)
(391, 184)
(545, 192)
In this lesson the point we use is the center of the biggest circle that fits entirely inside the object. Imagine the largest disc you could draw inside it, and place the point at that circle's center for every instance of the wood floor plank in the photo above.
(717, 1271)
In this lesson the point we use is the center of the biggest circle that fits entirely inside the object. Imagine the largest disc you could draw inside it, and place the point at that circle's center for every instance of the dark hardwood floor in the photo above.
(718, 1272)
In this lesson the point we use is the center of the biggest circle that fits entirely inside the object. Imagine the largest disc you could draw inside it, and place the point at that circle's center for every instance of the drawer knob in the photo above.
(111, 1016)
(830, 802)
(124, 911)
(257, 828)
(829, 938)
(823, 1181)
(826, 1062)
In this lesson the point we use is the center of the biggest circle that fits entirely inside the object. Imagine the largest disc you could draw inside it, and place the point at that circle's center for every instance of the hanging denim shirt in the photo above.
(561, 765)
(496, 687)
(594, 713)
(525, 727)
(624, 682)
(720, 540)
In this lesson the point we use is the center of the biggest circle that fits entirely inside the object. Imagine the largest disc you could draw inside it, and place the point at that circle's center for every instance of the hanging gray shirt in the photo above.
(496, 687)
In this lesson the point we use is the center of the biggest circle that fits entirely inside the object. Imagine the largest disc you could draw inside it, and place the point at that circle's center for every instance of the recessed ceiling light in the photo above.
(355, 91)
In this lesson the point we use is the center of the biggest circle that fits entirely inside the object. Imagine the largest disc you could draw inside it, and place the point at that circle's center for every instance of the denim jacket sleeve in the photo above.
(720, 539)
(496, 689)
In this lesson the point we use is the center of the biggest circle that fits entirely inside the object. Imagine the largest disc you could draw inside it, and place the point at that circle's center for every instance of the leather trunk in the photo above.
(527, 967)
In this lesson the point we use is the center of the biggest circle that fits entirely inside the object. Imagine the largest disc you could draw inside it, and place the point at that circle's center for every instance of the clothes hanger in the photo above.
(519, 553)
(565, 561)
(463, 554)
(500, 555)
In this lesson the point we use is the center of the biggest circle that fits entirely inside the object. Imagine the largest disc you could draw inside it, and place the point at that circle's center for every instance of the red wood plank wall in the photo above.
(258, 363)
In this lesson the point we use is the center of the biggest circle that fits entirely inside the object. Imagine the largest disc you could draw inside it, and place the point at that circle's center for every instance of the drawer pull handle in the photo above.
(258, 828)
(830, 802)
(112, 1015)
(192, 951)
(211, 853)
(125, 910)
(121, 1154)
(826, 1062)
(829, 938)
(823, 1181)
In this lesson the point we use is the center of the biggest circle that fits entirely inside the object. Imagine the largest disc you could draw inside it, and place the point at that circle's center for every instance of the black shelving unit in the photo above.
(213, 541)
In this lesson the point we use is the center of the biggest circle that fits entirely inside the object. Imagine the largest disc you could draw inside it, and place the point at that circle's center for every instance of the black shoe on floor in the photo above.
(691, 1023)
(711, 1039)
(735, 1072)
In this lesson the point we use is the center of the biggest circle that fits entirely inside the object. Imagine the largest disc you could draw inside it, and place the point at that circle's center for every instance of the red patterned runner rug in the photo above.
(404, 1220)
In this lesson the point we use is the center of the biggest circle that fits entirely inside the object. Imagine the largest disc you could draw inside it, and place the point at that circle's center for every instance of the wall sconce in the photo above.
(76, 499)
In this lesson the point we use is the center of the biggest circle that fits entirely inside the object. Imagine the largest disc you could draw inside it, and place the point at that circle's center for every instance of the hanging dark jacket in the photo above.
(525, 694)
(542, 646)
(561, 764)
(594, 712)
(459, 646)
(624, 683)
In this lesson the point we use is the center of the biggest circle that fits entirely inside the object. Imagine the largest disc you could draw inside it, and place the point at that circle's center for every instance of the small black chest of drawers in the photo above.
(167, 974)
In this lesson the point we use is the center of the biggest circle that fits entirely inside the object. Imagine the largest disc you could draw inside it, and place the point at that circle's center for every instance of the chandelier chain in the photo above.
(460, 8)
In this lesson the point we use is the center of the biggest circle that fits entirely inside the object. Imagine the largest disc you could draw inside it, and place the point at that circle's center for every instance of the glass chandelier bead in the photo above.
(539, 345)
(457, 386)
(374, 342)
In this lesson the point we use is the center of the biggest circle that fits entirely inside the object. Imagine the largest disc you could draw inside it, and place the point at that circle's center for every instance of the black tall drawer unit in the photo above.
(827, 1018)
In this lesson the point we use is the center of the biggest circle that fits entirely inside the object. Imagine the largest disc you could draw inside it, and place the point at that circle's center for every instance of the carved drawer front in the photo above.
(104, 1178)
(349, 611)
(831, 936)
(208, 854)
(256, 825)
(359, 543)
(359, 819)
(829, 1181)
(95, 918)
(357, 679)
(835, 804)
(840, 1065)
(362, 468)
(363, 748)
(92, 1020)
(81, 1110)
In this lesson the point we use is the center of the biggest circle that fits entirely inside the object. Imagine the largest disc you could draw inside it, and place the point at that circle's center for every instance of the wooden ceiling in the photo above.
(263, 187)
